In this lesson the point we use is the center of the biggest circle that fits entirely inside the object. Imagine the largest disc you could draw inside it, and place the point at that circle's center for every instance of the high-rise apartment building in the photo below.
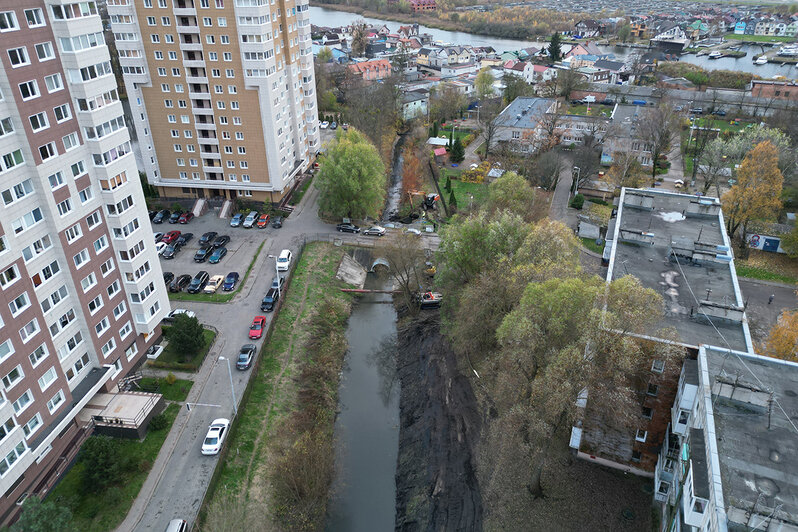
(80, 282)
(222, 93)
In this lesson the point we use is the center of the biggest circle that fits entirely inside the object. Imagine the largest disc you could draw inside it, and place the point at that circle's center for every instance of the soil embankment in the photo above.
(436, 482)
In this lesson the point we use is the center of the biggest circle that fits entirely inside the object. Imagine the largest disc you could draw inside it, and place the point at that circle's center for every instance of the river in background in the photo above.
(331, 18)
(367, 426)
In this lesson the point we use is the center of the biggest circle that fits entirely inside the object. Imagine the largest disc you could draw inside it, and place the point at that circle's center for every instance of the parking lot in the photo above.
(240, 250)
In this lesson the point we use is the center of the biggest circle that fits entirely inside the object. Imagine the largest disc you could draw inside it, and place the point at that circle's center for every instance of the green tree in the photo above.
(185, 336)
(789, 243)
(325, 55)
(359, 38)
(435, 128)
(458, 151)
(102, 463)
(351, 179)
(555, 52)
(513, 193)
(624, 32)
(484, 83)
(515, 86)
(452, 201)
(447, 184)
(43, 516)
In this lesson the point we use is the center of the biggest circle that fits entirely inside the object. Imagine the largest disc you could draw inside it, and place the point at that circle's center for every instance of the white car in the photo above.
(374, 230)
(284, 260)
(172, 315)
(412, 231)
(215, 282)
(160, 247)
(324, 125)
(215, 436)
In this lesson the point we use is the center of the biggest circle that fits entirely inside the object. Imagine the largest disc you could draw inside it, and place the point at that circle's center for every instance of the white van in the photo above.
(177, 525)
(284, 260)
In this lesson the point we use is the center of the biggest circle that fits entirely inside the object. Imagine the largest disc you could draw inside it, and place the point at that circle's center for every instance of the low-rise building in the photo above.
(372, 70)
(422, 5)
(414, 103)
(520, 125)
(588, 28)
(781, 90)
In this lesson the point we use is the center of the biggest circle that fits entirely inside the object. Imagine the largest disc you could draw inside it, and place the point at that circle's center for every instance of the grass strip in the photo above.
(177, 391)
(170, 359)
(753, 272)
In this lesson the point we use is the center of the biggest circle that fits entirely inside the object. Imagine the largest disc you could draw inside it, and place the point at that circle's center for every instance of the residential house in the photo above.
(780, 90)
(587, 28)
(414, 103)
(422, 5)
(668, 32)
(792, 29)
(739, 27)
(697, 30)
(457, 70)
(615, 69)
(639, 28)
(543, 73)
(405, 32)
(458, 54)
(594, 75)
(372, 70)
(490, 61)
(519, 125)
(578, 61)
(437, 58)
(750, 26)
(422, 58)
(528, 53)
(520, 69)
(586, 48)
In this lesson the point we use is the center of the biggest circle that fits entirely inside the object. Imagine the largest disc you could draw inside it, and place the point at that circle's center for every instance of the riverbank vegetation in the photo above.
(280, 463)
(722, 79)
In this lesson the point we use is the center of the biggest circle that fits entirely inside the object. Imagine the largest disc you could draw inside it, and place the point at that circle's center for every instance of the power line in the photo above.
(732, 351)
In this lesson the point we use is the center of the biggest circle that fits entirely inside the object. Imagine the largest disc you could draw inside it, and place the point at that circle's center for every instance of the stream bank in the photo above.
(436, 483)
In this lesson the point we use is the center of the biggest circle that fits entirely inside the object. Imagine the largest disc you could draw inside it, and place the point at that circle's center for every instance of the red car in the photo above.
(170, 237)
(185, 217)
(263, 220)
(256, 329)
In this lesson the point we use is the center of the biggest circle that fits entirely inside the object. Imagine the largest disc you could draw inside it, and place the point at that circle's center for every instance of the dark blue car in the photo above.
(230, 282)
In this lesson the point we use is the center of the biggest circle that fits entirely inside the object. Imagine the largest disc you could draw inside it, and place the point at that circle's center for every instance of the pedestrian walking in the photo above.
(771, 298)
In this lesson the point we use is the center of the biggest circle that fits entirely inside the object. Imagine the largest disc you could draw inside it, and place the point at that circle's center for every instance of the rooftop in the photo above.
(757, 449)
(677, 245)
(524, 112)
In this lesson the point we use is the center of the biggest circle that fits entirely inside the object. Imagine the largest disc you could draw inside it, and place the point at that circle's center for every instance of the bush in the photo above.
(159, 422)
(186, 336)
(597, 200)
(102, 462)
(578, 202)
(468, 139)
(170, 379)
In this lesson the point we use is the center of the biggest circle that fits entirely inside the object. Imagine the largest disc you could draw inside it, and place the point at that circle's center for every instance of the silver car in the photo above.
(250, 220)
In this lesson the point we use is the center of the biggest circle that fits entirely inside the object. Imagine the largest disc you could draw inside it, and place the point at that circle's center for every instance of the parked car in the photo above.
(186, 217)
(245, 356)
(230, 282)
(214, 439)
(345, 126)
(170, 251)
(152, 214)
(347, 228)
(333, 125)
(202, 254)
(270, 300)
(324, 125)
(175, 217)
(719, 112)
(256, 329)
(284, 260)
(217, 255)
(412, 231)
(184, 238)
(696, 111)
(167, 277)
(277, 222)
(170, 237)
(160, 247)
(176, 312)
(236, 220)
(161, 216)
(213, 284)
(249, 221)
(374, 230)
(220, 241)
(278, 282)
(177, 525)
(263, 220)
(198, 282)
(179, 283)
(158, 237)
(207, 238)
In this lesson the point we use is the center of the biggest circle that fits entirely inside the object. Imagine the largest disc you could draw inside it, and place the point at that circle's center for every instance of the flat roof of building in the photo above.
(756, 442)
(524, 112)
(677, 245)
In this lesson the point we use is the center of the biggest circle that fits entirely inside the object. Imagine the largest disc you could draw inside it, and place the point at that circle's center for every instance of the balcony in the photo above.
(211, 141)
(208, 156)
(185, 9)
(190, 46)
(202, 111)
(190, 27)
(194, 63)
(205, 126)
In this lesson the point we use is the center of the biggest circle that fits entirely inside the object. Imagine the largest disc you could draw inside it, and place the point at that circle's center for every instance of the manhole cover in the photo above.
(628, 514)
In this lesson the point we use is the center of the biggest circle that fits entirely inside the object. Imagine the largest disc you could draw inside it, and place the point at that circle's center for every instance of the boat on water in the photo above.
(791, 50)
(761, 60)
(715, 55)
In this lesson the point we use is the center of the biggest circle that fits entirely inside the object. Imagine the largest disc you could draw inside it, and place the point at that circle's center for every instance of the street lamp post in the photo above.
(276, 271)
(232, 390)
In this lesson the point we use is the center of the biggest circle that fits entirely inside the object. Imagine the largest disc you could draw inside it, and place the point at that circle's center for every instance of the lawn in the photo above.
(299, 193)
(105, 510)
(590, 244)
(169, 359)
(177, 391)
(768, 267)
(270, 394)
(464, 191)
(758, 38)
(218, 297)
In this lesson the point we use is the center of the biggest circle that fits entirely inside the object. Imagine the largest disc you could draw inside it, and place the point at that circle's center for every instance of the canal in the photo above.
(331, 18)
(367, 426)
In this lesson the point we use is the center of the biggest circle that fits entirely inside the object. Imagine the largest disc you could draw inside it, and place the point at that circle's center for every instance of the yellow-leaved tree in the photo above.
(756, 193)
(783, 339)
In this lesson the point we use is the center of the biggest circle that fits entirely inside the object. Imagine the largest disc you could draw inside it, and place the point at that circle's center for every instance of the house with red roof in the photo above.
(372, 70)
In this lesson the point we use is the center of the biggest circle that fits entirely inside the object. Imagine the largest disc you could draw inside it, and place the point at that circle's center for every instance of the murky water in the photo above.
(367, 427)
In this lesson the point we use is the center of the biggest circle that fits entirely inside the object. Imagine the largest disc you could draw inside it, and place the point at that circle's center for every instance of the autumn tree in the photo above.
(511, 192)
(789, 243)
(446, 102)
(484, 83)
(411, 172)
(657, 129)
(782, 341)
(713, 165)
(626, 170)
(623, 32)
(755, 195)
(406, 264)
(488, 111)
(231, 511)
(351, 179)
(515, 87)
(568, 81)
(325, 55)
(546, 169)
(359, 38)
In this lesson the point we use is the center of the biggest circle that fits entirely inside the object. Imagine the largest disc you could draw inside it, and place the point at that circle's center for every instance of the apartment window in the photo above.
(242, 150)
(230, 73)
(636, 456)
(64, 207)
(641, 435)
(47, 379)
(243, 164)
(178, 147)
(658, 366)
(176, 72)
(172, 119)
(180, 161)
(73, 233)
(62, 113)
(6, 127)
(226, 134)
(232, 177)
(239, 135)
(6, 427)
(13, 377)
(182, 104)
(236, 120)
(56, 401)
(166, 21)
(11, 458)
(78, 169)
(223, 120)
(231, 164)
(100, 244)
(88, 281)
(227, 56)
(6, 349)
(101, 327)
(47, 151)
(245, 178)
(18, 57)
(120, 309)
(652, 390)
(44, 51)
(210, 39)
(220, 105)
(151, 21)
(188, 133)
(173, 57)
(155, 38)
(22, 403)
(38, 122)
(107, 267)
(8, 21)
(29, 90)
(221, 22)
(32, 426)
(207, 21)
(684, 416)
(17, 192)
(170, 39)
(175, 134)
(54, 83)
(162, 73)
(190, 148)
(37, 248)
(29, 330)
(108, 347)
(648, 413)
(34, 17)
(228, 150)
(234, 105)
(193, 162)
(225, 39)
(133, 350)
(20, 303)
(81, 258)
(70, 141)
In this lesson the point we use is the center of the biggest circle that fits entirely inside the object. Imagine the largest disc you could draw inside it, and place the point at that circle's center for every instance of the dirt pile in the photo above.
(436, 482)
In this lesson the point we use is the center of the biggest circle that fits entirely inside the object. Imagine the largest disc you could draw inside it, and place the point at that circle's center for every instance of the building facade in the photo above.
(222, 92)
(82, 288)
